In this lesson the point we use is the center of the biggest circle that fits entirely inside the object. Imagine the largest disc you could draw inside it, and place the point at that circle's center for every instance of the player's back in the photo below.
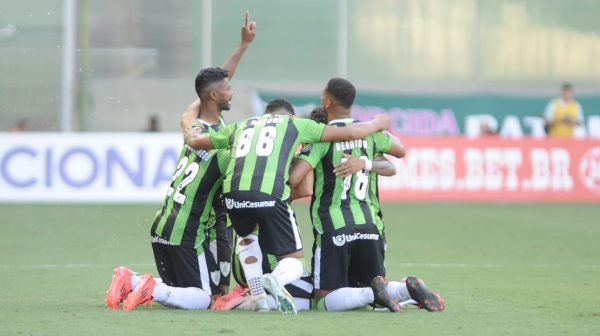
(337, 201)
(194, 185)
(262, 149)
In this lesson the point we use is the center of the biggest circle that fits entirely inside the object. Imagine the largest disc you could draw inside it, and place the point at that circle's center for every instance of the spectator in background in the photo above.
(487, 130)
(22, 126)
(153, 124)
(563, 114)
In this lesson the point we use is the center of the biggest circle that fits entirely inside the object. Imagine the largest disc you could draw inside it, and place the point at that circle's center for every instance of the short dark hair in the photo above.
(342, 91)
(566, 86)
(279, 104)
(209, 76)
(318, 115)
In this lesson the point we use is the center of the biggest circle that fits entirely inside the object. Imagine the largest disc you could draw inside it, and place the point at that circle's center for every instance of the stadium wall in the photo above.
(137, 167)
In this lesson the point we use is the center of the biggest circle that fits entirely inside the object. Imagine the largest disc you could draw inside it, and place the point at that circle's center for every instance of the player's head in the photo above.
(567, 91)
(280, 106)
(338, 92)
(318, 115)
(212, 84)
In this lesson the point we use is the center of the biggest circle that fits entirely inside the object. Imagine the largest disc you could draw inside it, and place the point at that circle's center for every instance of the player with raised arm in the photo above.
(257, 193)
(348, 252)
(179, 230)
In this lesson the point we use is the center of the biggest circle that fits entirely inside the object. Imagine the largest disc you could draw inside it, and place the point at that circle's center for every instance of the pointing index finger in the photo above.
(247, 18)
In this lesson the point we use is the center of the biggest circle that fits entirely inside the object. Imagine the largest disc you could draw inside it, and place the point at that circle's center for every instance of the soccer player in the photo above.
(218, 240)
(241, 298)
(348, 252)
(398, 290)
(257, 193)
(301, 289)
(178, 233)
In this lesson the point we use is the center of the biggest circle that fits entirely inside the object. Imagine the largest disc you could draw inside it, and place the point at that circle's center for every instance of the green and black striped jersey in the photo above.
(188, 206)
(262, 149)
(336, 201)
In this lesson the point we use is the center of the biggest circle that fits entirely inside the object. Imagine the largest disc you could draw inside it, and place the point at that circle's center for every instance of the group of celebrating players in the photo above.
(250, 171)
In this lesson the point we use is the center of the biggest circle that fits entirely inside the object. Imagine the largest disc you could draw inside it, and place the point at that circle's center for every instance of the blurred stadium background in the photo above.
(133, 59)
(88, 75)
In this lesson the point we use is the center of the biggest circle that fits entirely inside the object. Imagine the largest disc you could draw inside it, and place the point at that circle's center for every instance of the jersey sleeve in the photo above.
(221, 139)
(313, 153)
(308, 131)
(383, 142)
(223, 157)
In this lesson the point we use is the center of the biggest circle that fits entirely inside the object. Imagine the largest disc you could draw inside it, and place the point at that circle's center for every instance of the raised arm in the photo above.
(358, 130)
(248, 34)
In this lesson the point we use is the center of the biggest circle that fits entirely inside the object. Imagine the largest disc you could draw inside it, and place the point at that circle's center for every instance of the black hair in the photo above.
(318, 115)
(567, 86)
(342, 91)
(209, 76)
(278, 104)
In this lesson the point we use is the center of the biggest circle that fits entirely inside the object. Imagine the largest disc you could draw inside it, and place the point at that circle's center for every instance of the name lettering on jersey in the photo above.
(272, 120)
(345, 145)
(252, 121)
(160, 240)
(342, 239)
(233, 204)
(201, 153)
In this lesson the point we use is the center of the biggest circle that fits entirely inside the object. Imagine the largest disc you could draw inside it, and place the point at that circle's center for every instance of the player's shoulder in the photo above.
(249, 120)
(203, 126)
(299, 120)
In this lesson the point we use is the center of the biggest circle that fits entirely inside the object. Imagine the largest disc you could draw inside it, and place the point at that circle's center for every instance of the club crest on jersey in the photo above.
(229, 203)
(306, 149)
(225, 268)
(215, 276)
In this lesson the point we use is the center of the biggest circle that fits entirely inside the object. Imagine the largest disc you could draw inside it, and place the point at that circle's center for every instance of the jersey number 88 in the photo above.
(264, 143)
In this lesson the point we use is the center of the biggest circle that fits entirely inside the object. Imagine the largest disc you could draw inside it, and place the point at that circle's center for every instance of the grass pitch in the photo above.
(503, 269)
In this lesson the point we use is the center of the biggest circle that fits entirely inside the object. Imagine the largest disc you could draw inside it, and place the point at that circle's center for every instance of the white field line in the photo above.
(426, 265)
